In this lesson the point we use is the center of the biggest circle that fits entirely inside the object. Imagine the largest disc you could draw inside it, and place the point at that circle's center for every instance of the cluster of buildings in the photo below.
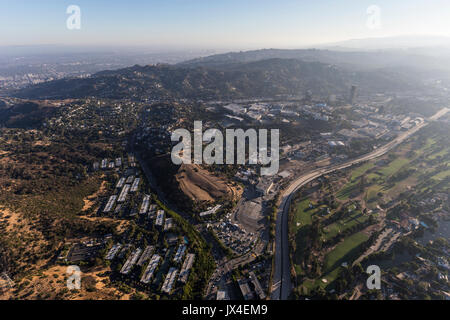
(126, 189)
(98, 115)
(234, 236)
(105, 164)
(127, 183)
(414, 281)
(159, 267)
(266, 113)
(22, 80)
(153, 263)
(84, 250)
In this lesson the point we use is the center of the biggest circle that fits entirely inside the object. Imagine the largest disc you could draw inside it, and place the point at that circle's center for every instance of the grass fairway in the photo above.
(351, 186)
(442, 153)
(347, 190)
(302, 216)
(300, 228)
(394, 166)
(344, 251)
(419, 167)
(372, 192)
(442, 175)
(358, 172)
(340, 226)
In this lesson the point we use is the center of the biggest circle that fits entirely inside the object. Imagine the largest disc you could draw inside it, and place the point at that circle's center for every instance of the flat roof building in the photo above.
(135, 185)
(186, 268)
(113, 251)
(110, 204)
(146, 255)
(124, 193)
(104, 164)
(160, 218)
(180, 253)
(169, 281)
(131, 261)
(120, 183)
(150, 270)
(145, 204)
(245, 289)
(257, 285)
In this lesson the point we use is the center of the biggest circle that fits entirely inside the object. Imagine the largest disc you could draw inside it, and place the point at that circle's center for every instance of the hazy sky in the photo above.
(210, 24)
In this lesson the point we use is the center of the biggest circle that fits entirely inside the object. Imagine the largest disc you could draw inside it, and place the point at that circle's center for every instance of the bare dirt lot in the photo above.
(201, 185)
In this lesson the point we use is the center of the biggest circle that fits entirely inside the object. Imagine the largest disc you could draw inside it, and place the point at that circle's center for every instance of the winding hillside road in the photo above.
(282, 285)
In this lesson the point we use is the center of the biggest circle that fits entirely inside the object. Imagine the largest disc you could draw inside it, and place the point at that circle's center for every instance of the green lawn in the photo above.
(340, 226)
(376, 179)
(372, 192)
(439, 154)
(393, 167)
(351, 186)
(303, 214)
(373, 177)
(344, 251)
(361, 170)
(442, 175)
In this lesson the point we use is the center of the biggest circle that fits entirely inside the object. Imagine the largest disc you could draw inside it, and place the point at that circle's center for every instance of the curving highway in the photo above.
(282, 285)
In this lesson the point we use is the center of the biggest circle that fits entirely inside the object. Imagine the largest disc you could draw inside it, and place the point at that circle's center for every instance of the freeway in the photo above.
(282, 276)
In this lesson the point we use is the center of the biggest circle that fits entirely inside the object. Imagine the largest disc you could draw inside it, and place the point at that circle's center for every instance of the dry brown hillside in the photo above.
(201, 185)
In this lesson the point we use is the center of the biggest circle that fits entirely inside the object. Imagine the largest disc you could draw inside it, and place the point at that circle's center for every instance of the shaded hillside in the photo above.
(265, 78)
(24, 115)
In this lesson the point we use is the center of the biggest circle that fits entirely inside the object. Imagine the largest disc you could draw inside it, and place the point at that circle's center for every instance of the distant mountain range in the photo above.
(418, 60)
(403, 42)
(262, 73)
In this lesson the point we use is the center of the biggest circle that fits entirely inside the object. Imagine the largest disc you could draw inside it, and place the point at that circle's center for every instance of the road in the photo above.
(282, 285)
